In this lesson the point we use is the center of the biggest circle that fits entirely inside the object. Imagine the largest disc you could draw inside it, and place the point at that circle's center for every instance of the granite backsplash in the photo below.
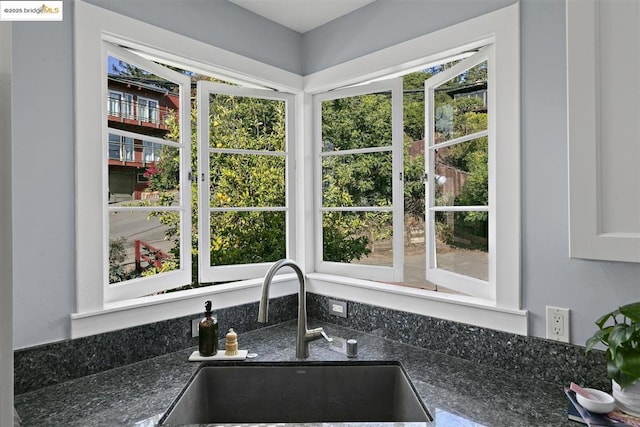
(542, 359)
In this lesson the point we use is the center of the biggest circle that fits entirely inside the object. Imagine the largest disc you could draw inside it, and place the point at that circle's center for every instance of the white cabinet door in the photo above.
(603, 61)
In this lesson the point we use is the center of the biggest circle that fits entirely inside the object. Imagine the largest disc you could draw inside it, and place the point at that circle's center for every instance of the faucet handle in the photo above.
(326, 337)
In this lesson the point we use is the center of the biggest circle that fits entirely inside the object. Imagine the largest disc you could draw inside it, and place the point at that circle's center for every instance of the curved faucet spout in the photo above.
(304, 335)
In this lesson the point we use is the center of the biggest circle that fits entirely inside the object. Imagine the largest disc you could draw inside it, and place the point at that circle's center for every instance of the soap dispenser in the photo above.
(208, 333)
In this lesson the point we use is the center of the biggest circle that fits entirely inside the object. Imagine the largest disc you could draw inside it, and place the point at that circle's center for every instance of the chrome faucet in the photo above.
(304, 335)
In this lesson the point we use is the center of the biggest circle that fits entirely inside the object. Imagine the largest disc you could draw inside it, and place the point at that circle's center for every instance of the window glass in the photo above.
(461, 105)
(138, 245)
(458, 190)
(357, 122)
(145, 216)
(114, 103)
(244, 158)
(359, 146)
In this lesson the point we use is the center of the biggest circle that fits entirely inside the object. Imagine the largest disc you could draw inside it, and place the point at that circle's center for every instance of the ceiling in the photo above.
(301, 15)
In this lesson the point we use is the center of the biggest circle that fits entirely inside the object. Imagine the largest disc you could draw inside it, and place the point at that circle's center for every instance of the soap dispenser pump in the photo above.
(208, 333)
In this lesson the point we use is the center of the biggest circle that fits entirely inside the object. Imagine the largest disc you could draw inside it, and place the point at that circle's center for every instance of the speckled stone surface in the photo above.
(51, 364)
(456, 391)
(540, 359)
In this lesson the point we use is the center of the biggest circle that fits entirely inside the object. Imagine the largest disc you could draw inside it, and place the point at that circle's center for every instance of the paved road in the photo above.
(138, 226)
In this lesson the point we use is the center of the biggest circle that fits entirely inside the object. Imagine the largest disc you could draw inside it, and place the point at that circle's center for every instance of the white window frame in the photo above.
(395, 272)
(458, 282)
(223, 273)
(93, 25)
(500, 28)
(167, 280)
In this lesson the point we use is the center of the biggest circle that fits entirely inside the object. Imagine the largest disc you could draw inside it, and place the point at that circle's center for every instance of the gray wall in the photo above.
(220, 23)
(43, 153)
(550, 277)
(385, 23)
(43, 181)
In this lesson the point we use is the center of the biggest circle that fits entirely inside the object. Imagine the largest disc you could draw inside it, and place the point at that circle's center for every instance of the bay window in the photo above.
(311, 169)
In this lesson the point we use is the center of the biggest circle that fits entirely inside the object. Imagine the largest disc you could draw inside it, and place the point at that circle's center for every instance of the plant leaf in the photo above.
(614, 373)
(601, 335)
(602, 320)
(632, 311)
(620, 335)
(628, 361)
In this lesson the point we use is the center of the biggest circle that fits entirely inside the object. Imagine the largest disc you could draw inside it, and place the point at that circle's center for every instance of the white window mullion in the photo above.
(397, 112)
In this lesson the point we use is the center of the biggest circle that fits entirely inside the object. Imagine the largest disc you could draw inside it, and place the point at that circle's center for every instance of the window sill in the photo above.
(156, 308)
(457, 308)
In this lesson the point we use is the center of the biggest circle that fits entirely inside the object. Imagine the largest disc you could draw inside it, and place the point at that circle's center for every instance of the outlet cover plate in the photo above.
(558, 324)
(195, 327)
(338, 308)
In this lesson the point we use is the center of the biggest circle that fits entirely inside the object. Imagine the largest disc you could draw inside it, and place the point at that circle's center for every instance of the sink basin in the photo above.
(297, 392)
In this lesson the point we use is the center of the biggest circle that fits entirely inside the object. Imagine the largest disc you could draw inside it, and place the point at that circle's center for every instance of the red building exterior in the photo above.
(138, 106)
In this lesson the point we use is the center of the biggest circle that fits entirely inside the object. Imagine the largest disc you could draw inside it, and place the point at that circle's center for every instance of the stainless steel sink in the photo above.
(297, 392)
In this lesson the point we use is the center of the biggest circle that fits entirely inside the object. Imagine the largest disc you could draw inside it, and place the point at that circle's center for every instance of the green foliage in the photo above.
(342, 237)
(117, 255)
(619, 331)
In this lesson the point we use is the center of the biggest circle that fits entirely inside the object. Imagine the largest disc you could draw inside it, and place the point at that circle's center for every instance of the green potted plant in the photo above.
(619, 332)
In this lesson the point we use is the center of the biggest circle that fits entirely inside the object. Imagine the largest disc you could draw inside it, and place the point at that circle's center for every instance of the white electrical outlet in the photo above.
(558, 324)
(195, 327)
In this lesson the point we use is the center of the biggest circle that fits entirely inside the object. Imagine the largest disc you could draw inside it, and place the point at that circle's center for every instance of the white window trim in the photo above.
(94, 24)
(501, 28)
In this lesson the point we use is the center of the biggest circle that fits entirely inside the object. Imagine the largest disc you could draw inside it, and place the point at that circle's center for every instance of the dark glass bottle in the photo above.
(208, 333)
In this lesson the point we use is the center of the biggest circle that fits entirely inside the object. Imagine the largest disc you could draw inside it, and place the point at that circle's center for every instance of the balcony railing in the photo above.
(141, 112)
(144, 152)
(147, 256)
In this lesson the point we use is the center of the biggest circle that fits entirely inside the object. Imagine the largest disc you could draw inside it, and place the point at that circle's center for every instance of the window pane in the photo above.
(461, 105)
(247, 123)
(247, 237)
(113, 104)
(142, 244)
(357, 180)
(462, 174)
(245, 180)
(462, 243)
(128, 106)
(157, 163)
(115, 147)
(142, 100)
(357, 122)
(358, 237)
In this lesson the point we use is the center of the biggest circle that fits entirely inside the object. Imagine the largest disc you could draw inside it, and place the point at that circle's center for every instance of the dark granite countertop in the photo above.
(456, 392)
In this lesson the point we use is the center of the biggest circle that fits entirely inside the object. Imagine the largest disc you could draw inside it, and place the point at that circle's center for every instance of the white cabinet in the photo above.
(603, 64)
